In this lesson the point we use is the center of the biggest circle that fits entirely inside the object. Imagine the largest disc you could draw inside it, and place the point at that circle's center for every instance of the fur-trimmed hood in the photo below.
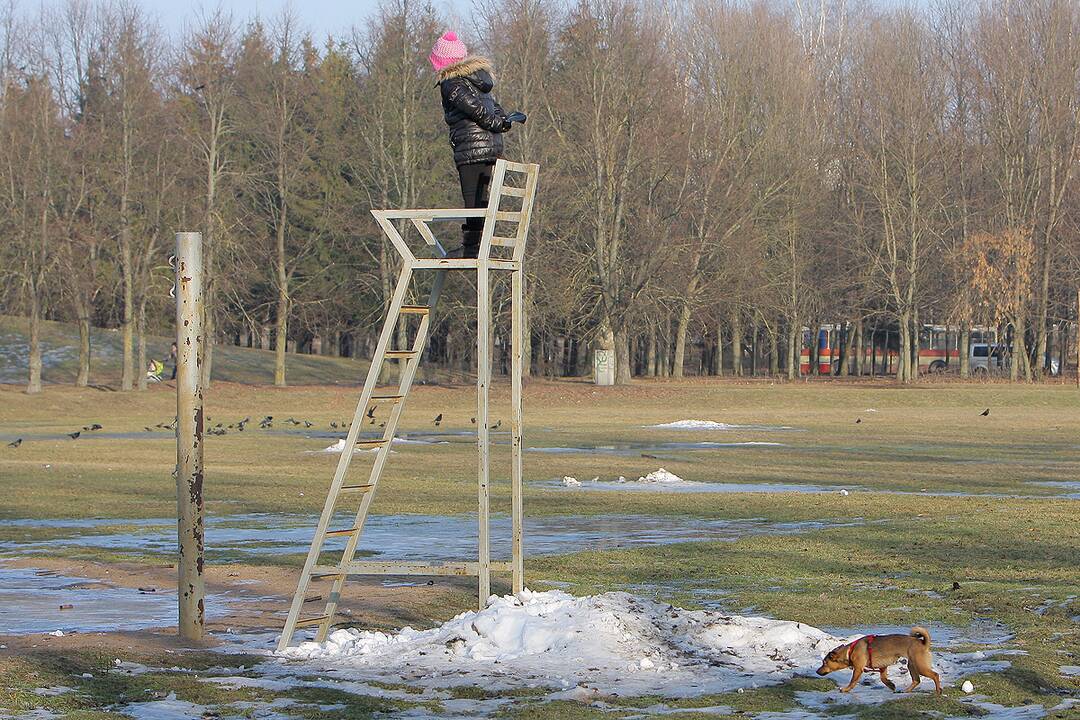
(469, 66)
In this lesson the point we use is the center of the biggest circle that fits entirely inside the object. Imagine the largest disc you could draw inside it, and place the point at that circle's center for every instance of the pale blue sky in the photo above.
(321, 17)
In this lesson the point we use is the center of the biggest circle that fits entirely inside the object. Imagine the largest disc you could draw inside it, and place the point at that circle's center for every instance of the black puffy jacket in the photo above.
(476, 121)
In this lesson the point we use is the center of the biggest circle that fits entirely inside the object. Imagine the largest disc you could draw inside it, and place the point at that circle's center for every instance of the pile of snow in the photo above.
(613, 642)
(571, 481)
(695, 425)
(661, 477)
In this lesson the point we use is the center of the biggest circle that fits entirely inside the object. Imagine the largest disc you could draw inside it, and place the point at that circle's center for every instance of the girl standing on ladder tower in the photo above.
(476, 123)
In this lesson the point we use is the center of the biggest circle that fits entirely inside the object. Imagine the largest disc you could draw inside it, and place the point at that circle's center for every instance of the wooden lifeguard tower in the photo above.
(497, 253)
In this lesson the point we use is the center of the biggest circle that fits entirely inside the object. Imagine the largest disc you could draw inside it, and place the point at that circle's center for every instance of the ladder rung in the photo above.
(503, 216)
(503, 241)
(387, 398)
(399, 354)
(414, 310)
(515, 191)
(347, 531)
(357, 488)
(370, 443)
(312, 621)
(362, 567)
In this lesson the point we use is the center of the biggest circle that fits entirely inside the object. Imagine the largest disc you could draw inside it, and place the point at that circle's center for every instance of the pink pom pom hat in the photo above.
(447, 51)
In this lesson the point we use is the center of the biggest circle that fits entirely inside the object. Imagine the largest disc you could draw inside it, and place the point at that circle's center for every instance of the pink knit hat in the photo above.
(447, 51)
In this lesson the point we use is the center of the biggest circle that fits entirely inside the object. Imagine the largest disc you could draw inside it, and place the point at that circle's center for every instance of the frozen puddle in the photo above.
(631, 449)
(30, 602)
(399, 537)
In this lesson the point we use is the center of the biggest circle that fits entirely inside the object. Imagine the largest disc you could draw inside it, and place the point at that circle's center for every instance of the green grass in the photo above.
(900, 545)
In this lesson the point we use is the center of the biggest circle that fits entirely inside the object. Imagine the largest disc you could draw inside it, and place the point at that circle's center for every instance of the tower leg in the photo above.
(517, 342)
(483, 387)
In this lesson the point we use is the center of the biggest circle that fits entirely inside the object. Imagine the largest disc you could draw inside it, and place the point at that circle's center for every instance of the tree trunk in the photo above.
(903, 373)
(845, 348)
(127, 376)
(650, 352)
(794, 356)
(282, 320)
(964, 350)
(736, 344)
(860, 348)
(718, 361)
(755, 348)
(682, 328)
(33, 384)
(916, 344)
(623, 361)
(815, 352)
(664, 361)
(774, 357)
(83, 378)
(141, 329)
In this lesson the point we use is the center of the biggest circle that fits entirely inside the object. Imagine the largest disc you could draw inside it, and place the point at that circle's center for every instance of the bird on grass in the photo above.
(75, 435)
(371, 411)
(497, 425)
(858, 420)
(15, 443)
(333, 425)
(307, 423)
(438, 420)
(266, 422)
(985, 412)
(148, 429)
(95, 426)
(472, 420)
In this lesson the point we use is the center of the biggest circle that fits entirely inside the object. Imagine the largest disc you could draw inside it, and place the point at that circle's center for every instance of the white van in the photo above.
(987, 358)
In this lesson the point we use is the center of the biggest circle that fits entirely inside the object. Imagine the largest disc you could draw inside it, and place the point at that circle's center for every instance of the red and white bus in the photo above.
(939, 348)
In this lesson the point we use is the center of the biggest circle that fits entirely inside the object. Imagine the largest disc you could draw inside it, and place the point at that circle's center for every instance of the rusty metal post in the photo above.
(191, 588)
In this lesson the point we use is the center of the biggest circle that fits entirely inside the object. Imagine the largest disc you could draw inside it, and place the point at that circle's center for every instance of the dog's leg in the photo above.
(856, 673)
(925, 670)
(885, 679)
(915, 679)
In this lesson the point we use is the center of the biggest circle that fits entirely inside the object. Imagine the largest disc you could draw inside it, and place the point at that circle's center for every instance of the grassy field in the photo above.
(947, 520)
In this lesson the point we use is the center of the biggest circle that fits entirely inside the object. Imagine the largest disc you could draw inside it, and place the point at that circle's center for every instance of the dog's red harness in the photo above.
(869, 652)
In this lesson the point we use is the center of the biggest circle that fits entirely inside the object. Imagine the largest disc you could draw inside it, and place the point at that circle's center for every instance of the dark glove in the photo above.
(516, 117)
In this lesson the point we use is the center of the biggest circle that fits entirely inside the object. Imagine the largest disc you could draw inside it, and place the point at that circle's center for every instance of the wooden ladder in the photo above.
(410, 356)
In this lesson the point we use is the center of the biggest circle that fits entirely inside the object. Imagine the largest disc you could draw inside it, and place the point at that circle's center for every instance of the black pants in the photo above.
(475, 184)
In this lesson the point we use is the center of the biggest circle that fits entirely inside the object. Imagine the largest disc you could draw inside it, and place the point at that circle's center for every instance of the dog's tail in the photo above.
(922, 634)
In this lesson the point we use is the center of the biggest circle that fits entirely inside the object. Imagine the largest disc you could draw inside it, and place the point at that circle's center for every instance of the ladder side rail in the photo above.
(483, 436)
(494, 194)
(531, 181)
(382, 454)
(374, 369)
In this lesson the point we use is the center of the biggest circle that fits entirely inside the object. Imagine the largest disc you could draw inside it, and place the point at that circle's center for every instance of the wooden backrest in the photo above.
(507, 228)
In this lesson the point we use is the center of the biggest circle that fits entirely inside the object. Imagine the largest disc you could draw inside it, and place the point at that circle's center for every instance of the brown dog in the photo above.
(878, 652)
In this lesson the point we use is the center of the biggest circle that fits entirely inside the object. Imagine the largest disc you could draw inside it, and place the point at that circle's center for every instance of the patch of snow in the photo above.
(53, 691)
(662, 477)
(168, 709)
(1070, 670)
(695, 425)
(571, 481)
(610, 642)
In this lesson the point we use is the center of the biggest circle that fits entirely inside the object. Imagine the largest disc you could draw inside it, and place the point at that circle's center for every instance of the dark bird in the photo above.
(371, 421)
(148, 429)
(497, 425)
(985, 412)
(955, 585)
(200, 87)
(86, 428)
(333, 425)
(371, 411)
(307, 423)
(438, 420)
(858, 420)
(95, 426)
(15, 443)
(472, 420)
(382, 425)
(75, 435)
(651, 457)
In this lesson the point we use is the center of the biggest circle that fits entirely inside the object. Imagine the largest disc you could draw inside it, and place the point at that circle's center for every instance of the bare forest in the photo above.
(719, 179)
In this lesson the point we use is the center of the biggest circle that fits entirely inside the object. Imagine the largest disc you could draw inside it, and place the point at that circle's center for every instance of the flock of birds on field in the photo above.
(265, 424)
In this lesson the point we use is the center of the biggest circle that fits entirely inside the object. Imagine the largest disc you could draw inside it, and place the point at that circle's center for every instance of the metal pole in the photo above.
(191, 588)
